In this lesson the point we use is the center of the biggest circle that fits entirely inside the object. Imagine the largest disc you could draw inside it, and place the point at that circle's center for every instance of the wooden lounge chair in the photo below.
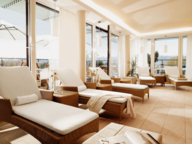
(47, 121)
(136, 90)
(175, 78)
(145, 77)
(87, 90)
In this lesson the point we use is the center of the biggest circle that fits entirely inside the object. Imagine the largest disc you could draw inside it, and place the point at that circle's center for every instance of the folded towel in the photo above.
(96, 103)
(26, 99)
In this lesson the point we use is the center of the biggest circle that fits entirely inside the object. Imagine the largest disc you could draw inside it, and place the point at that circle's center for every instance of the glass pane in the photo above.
(12, 33)
(149, 54)
(89, 55)
(101, 50)
(47, 44)
(184, 55)
(114, 55)
(165, 57)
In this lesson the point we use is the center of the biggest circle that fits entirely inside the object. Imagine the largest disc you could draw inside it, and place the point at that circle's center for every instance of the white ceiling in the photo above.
(144, 16)
(151, 15)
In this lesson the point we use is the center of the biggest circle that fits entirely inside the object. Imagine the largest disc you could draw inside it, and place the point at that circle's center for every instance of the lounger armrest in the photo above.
(166, 78)
(181, 76)
(5, 109)
(105, 82)
(151, 75)
(71, 88)
(47, 94)
(90, 85)
(116, 80)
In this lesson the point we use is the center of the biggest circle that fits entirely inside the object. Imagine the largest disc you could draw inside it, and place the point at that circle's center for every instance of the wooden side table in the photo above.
(160, 79)
(67, 97)
(107, 87)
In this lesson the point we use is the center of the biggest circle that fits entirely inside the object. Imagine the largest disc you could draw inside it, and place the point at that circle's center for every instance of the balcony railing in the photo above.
(8, 62)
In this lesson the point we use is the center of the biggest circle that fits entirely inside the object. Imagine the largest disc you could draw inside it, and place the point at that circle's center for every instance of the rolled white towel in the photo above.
(1, 97)
(26, 99)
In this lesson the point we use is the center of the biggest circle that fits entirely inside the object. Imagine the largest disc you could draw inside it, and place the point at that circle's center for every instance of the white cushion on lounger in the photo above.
(69, 78)
(146, 78)
(60, 118)
(130, 86)
(176, 80)
(92, 92)
(172, 71)
(17, 81)
(143, 71)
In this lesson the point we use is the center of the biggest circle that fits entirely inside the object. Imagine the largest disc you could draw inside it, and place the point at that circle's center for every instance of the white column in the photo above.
(180, 53)
(127, 53)
(82, 43)
(152, 55)
(33, 37)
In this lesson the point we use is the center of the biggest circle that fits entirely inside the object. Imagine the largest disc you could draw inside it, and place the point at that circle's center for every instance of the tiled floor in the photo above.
(168, 112)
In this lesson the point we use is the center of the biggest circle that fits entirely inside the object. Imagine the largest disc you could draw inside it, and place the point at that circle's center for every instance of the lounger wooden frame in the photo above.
(44, 135)
(135, 92)
(177, 84)
(116, 108)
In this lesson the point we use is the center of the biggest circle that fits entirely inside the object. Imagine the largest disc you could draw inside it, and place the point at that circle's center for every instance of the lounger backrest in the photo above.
(17, 81)
(143, 71)
(172, 71)
(101, 73)
(69, 78)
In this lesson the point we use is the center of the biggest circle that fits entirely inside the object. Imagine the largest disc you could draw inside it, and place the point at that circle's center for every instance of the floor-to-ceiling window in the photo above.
(13, 43)
(89, 48)
(101, 52)
(165, 56)
(184, 55)
(149, 54)
(114, 55)
(47, 43)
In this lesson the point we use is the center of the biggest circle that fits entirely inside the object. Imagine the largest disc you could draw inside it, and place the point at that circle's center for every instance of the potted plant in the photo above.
(133, 64)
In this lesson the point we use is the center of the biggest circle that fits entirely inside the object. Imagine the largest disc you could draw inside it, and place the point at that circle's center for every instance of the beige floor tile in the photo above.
(177, 111)
(175, 121)
(142, 114)
(188, 141)
(173, 135)
(188, 131)
(161, 109)
(136, 123)
(154, 122)
(147, 107)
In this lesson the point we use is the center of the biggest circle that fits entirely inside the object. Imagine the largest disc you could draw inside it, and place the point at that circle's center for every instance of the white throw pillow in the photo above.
(26, 99)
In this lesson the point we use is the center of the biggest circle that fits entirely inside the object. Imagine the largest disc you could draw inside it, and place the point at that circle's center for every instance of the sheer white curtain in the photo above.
(136, 50)
(68, 41)
(189, 57)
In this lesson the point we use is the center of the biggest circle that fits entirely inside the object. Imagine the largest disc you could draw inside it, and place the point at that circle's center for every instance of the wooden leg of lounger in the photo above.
(148, 95)
(142, 99)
